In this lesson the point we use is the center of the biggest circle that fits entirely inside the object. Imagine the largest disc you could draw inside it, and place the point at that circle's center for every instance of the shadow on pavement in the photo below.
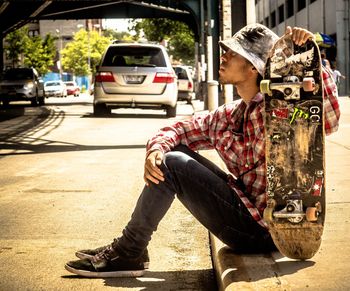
(11, 112)
(49, 146)
(162, 281)
(126, 115)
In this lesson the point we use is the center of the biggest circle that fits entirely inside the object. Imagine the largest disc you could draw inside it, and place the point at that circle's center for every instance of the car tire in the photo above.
(101, 109)
(171, 111)
(42, 101)
(34, 101)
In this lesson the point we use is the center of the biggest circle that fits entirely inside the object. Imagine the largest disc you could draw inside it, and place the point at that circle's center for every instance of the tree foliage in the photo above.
(40, 53)
(15, 43)
(179, 36)
(87, 47)
(32, 51)
(117, 35)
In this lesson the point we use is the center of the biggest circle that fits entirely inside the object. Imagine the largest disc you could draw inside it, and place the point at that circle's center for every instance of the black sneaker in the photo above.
(105, 264)
(89, 254)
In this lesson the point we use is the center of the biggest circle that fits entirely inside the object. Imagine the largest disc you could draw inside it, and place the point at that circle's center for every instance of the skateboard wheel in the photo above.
(311, 214)
(265, 87)
(268, 214)
(309, 84)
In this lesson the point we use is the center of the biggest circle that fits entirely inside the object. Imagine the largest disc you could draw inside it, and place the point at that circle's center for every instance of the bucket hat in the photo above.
(252, 42)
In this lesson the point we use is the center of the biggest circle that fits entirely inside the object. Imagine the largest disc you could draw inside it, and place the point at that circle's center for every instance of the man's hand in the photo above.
(299, 35)
(152, 171)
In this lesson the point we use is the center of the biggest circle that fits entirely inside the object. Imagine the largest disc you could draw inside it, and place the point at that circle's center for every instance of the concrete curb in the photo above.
(245, 271)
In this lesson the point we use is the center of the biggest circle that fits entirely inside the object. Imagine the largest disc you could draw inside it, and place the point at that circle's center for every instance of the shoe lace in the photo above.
(107, 254)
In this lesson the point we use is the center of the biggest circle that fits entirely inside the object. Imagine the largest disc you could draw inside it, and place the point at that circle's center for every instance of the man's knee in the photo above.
(175, 159)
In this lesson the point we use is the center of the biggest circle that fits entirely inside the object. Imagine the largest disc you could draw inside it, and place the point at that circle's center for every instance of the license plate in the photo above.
(134, 79)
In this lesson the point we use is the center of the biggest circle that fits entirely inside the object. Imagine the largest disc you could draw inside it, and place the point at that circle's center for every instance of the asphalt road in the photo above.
(70, 181)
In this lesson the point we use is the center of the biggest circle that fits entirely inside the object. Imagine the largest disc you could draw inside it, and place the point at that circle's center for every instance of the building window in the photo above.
(267, 21)
(290, 8)
(281, 14)
(32, 33)
(273, 19)
(301, 4)
(312, 1)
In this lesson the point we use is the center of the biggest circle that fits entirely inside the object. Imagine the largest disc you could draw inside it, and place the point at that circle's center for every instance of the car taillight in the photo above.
(164, 78)
(189, 85)
(104, 77)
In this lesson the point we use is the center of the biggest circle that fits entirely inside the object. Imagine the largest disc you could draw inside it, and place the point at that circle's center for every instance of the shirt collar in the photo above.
(257, 98)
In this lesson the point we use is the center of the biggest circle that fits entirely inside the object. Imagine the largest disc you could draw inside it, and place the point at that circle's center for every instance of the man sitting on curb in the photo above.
(228, 205)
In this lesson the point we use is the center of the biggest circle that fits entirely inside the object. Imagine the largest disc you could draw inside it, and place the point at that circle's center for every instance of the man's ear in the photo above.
(254, 70)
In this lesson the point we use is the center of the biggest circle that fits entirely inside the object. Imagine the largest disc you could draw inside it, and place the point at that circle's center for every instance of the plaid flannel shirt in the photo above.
(236, 132)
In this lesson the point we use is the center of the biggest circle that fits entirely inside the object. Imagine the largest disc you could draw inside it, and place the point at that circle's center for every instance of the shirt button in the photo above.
(246, 165)
(247, 144)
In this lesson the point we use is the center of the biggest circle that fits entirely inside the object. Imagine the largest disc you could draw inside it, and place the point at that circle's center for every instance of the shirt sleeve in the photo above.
(196, 133)
(331, 105)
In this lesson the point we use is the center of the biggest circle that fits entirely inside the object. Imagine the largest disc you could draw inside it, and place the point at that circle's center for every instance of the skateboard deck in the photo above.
(294, 137)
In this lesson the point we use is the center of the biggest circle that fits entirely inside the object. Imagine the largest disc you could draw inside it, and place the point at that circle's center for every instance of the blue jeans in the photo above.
(202, 188)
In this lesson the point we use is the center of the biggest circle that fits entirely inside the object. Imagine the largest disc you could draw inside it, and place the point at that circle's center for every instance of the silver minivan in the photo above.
(135, 75)
(22, 84)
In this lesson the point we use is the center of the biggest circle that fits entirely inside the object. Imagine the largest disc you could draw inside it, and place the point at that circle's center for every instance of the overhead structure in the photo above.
(202, 16)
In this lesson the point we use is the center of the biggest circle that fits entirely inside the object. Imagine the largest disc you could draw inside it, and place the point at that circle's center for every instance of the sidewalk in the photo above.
(329, 269)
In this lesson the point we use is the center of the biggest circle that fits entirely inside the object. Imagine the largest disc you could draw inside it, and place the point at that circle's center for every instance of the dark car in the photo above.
(20, 84)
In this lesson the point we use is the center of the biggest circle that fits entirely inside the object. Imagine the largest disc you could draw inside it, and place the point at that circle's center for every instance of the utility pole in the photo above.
(213, 85)
(227, 33)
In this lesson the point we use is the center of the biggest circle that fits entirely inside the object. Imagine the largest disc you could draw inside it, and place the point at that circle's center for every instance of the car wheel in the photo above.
(42, 101)
(101, 109)
(34, 101)
(171, 111)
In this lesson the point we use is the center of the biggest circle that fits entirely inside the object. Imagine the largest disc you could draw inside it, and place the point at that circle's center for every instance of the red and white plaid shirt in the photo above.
(236, 132)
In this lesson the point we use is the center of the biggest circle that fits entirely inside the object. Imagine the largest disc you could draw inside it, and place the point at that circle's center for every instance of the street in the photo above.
(70, 181)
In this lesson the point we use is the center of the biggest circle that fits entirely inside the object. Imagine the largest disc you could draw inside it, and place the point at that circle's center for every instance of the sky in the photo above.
(118, 24)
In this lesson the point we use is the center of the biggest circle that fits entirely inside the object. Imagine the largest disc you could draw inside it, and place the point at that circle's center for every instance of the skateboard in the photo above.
(294, 134)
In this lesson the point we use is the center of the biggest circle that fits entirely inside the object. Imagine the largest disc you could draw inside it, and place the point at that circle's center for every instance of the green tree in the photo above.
(117, 35)
(179, 36)
(40, 53)
(15, 44)
(87, 47)
(33, 51)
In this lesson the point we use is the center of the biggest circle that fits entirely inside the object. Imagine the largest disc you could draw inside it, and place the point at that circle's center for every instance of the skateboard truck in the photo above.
(292, 212)
(290, 87)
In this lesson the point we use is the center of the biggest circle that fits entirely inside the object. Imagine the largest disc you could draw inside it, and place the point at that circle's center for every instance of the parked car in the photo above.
(18, 84)
(72, 88)
(135, 75)
(55, 89)
(91, 90)
(184, 83)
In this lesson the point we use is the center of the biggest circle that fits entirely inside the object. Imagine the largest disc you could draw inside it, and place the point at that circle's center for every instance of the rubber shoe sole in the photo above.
(82, 256)
(115, 274)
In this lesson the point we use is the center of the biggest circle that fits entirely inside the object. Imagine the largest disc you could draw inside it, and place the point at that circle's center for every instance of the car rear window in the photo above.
(19, 74)
(181, 73)
(134, 56)
(53, 84)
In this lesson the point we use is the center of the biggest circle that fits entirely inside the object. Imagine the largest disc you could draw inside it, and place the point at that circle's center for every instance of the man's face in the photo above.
(234, 69)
